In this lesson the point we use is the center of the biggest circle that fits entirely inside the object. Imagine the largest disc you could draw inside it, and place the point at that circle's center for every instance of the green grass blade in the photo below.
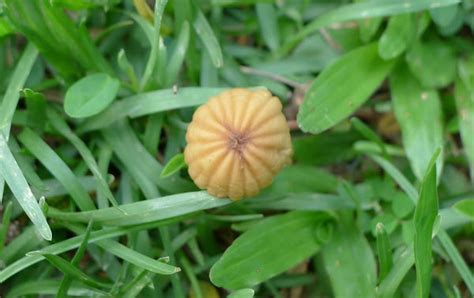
(50, 288)
(62, 127)
(65, 267)
(67, 280)
(173, 166)
(57, 167)
(362, 10)
(466, 206)
(12, 174)
(400, 32)
(268, 21)
(338, 91)
(151, 64)
(7, 213)
(179, 53)
(426, 212)
(242, 293)
(393, 279)
(384, 251)
(207, 36)
(145, 211)
(146, 104)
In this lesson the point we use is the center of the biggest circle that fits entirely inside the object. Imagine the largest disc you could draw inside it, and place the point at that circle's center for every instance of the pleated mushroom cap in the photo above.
(237, 142)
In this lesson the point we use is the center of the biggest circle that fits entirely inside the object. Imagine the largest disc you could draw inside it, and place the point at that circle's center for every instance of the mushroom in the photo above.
(237, 142)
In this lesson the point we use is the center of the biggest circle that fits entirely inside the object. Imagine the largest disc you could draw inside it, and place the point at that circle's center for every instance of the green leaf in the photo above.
(145, 104)
(432, 62)
(400, 32)
(268, 21)
(65, 267)
(12, 174)
(174, 165)
(50, 288)
(5, 27)
(426, 212)
(443, 16)
(207, 36)
(7, 213)
(144, 211)
(384, 251)
(418, 112)
(464, 96)
(338, 91)
(57, 167)
(242, 293)
(60, 125)
(344, 256)
(466, 207)
(362, 10)
(90, 95)
(269, 248)
(178, 56)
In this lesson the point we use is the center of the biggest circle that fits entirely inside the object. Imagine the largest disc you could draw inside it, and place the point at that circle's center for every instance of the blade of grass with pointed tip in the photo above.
(338, 91)
(12, 174)
(361, 10)
(50, 288)
(75, 242)
(242, 293)
(141, 165)
(174, 165)
(145, 211)
(418, 112)
(57, 167)
(269, 248)
(146, 104)
(151, 64)
(67, 280)
(384, 251)
(268, 21)
(466, 207)
(207, 36)
(66, 268)
(12, 95)
(179, 53)
(62, 127)
(7, 212)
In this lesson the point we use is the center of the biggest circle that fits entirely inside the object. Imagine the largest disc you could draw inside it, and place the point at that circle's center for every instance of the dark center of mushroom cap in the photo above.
(238, 140)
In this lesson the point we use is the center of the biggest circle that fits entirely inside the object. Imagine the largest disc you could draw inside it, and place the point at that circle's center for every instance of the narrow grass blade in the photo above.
(151, 64)
(12, 174)
(173, 166)
(57, 167)
(67, 280)
(242, 293)
(362, 10)
(145, 211)
(466, 206)
(146, 104)
(62, 127)
(49, 287)
(7, 213)
(65, 267)
(424, 218)
(207, 36)
(179, 53)
(268, 21)
(384, 251)
(400, 32)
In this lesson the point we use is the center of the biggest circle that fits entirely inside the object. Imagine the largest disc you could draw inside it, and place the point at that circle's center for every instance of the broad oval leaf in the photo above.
(341, 88)
(269, 248)
(90, 95)
(418, 111)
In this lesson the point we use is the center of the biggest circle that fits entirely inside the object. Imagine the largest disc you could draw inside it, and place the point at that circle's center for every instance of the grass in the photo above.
(95, 100)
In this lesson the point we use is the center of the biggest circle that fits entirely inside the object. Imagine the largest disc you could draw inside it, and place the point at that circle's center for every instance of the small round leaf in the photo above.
(90, 95)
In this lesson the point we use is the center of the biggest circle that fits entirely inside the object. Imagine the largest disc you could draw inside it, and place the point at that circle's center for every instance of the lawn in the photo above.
(225, 148)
